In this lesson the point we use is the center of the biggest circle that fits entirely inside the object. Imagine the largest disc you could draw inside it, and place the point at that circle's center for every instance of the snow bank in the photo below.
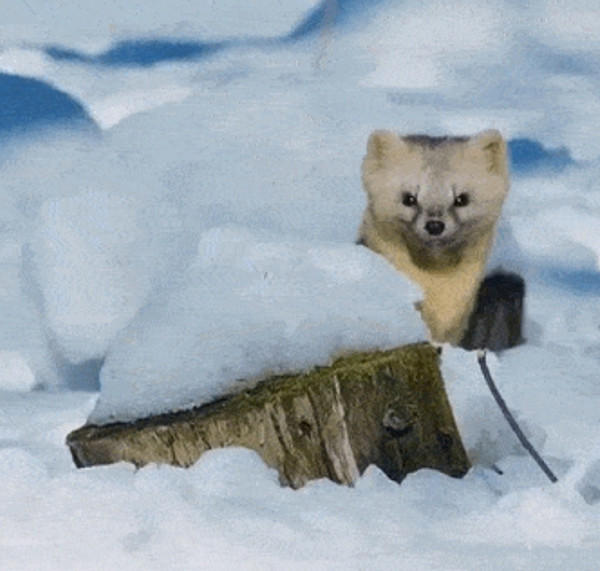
(250, 305)
(421, 46)
(15, 372)
(229, 510)
(94, 24)
(25, 359)
(97, 258)
(527, 69)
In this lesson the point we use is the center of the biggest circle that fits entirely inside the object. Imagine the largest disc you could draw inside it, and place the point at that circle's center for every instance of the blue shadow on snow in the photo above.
(142, 53)
(582, 282)
(29, 104)
(328, 14)
(528, 157)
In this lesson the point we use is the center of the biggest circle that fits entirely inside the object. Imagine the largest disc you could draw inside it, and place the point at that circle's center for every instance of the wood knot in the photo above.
(397, 424)
(305, 428)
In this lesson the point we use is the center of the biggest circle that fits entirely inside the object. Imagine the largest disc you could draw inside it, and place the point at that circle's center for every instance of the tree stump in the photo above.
(385, 408)
(497, 319)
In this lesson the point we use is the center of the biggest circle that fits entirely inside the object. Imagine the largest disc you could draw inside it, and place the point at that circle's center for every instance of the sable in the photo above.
(433, 204)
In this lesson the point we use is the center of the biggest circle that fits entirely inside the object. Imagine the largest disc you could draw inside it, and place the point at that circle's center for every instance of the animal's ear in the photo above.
(493, 147)
(382, 144)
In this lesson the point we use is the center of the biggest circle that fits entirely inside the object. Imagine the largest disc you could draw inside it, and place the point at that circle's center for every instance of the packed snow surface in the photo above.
(179, 201)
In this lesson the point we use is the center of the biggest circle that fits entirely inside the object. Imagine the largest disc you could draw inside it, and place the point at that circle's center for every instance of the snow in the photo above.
(251, 306)
(96, 256)
(202, 235)
(15, 373)
(413, 46)
(95, 25)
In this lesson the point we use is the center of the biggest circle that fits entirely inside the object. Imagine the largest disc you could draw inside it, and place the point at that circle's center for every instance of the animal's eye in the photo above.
(462, 199)
(409, 199)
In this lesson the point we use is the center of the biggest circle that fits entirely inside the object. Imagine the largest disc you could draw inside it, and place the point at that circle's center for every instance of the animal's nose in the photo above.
(434, 227)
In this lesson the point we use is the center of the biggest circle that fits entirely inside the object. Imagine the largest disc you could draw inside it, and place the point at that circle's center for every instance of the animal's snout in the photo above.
(434, 227)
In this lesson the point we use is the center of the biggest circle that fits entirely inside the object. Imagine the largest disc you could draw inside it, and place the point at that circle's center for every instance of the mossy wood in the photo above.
(384, 408)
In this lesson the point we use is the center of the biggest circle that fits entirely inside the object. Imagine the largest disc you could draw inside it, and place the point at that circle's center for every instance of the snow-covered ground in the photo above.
(179, 197)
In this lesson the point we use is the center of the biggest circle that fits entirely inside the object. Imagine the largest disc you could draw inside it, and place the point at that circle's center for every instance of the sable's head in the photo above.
(435, 193)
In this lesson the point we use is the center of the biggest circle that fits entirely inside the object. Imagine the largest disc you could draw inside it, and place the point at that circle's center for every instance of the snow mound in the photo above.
(97, 257)
(15, 372)
(250, 305)
(95, 24)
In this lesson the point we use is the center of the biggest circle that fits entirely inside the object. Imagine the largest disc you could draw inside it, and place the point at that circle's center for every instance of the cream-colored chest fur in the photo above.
(449, 294)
